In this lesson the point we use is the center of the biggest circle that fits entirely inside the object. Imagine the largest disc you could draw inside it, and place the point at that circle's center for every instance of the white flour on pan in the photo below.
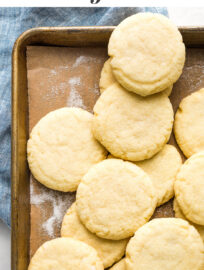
(75, 99)
(59, 205)
(82, 59)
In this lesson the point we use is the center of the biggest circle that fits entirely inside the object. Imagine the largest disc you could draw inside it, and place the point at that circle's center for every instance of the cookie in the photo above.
(115, 198)
(107, 78)
(132, 127)
(189, 188)
(61, 148)
(119, 266)
(109, 251)
(189, 124)
(165, 244)
(65, 253)
(162, 169)
(179, 214)
(168, 90)
(147, 53)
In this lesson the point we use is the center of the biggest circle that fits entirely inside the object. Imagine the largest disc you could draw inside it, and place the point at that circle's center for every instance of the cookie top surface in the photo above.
(165, 243)
(65, 253)
(147, 53)
(115, 198)
(162, 169)
(189, 124)
(189, 188)
(109, 251)
(179, 214)
(107, 79)
(132, 127)
(119, 266)
(61, 148)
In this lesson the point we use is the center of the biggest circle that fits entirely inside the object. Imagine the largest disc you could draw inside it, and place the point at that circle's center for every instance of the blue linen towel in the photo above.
(14, 21)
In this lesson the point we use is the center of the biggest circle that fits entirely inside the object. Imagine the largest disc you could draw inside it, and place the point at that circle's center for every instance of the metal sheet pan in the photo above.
(69, 37)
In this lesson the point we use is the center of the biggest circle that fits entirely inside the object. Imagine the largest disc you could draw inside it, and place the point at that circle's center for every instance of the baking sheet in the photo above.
(69, 76)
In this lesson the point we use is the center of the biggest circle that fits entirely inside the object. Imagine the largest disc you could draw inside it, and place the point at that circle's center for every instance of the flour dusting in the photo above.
(80, 60)
(194, 82)
(63, 67)
(56, 218)
(57, 90)
(53, 72)
(37, 199)
(74, 81)
(95, 89)
(59, 206)
(75, 99)
(85, 59)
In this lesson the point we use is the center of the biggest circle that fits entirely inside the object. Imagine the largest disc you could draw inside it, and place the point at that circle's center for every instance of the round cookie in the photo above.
(109, 251)
(65, 253)
(179, 214)
(107, 79)
(147, 53)
(189, 124)
(189, 188)
(119, 266)
(162, 169)
(61, 148)
(132, 127)
(165, 244)
(115, 198)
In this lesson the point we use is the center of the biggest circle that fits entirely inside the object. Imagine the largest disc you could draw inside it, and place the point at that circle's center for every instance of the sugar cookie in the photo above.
(189, 124)
(162, 169)
(132, 127)
(179, 214)
(147, 53)
(61, 148)
(165, 244)
(65, 253)
(107, 79)
(108, 250)
(115, 198)
(189, 188)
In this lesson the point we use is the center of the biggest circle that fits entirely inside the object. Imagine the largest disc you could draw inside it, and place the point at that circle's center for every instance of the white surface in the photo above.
(4, 247)
(181, 16)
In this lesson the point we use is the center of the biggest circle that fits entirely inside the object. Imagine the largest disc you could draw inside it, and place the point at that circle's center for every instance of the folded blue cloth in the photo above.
(14, 21)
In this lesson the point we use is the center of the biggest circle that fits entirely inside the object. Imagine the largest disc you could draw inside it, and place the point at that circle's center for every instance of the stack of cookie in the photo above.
(189, 184)
(117, 196)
